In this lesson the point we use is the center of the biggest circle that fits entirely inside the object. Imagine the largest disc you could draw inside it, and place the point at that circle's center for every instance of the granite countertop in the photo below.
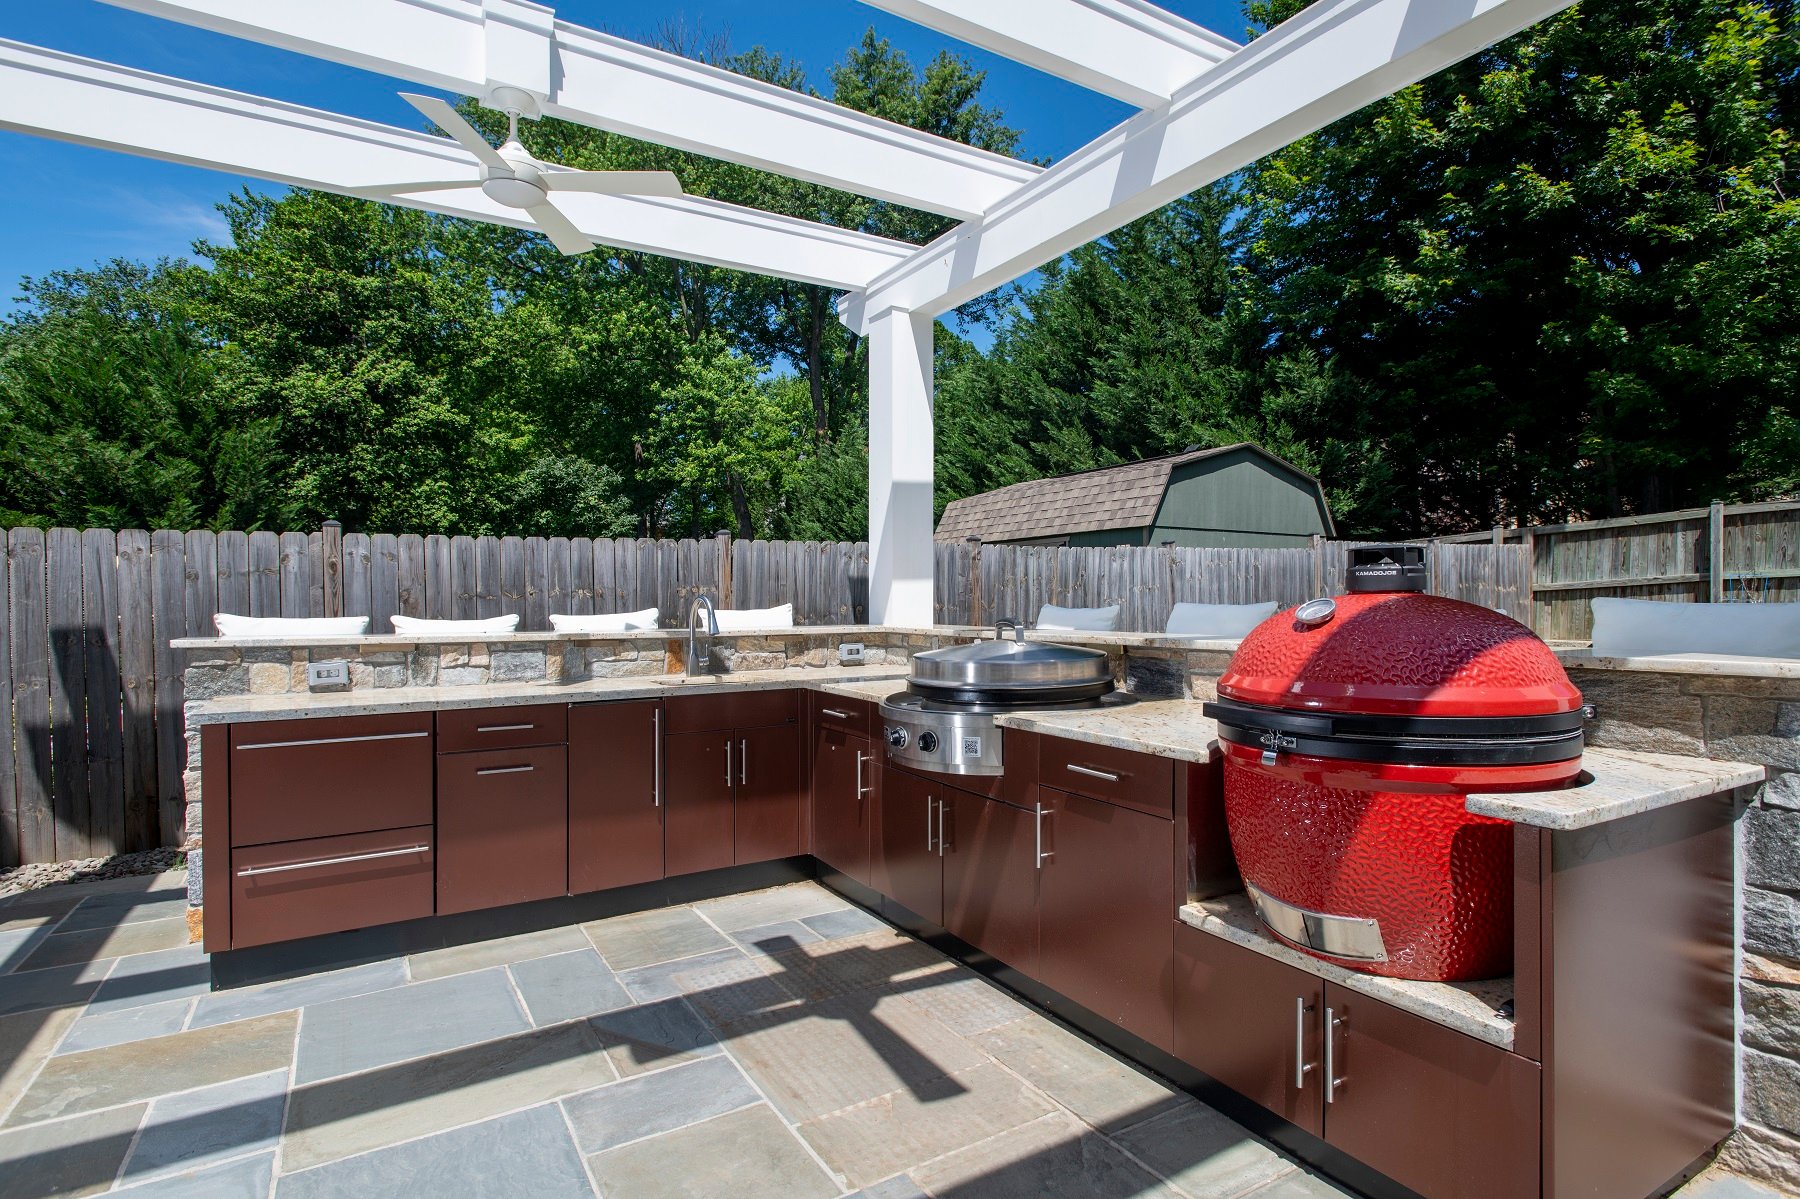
(1168, 728)
(1617, 783)
(299, 705)
(848, 632)
(1582, 657)
(1473, 1008)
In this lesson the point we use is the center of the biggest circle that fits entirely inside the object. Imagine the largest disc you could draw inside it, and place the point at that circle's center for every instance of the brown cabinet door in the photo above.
(729, 711)
(1435, 1110)
(855, 716)
(906, 867)
(844, 774)
(462, 729)
(503, 827)
(991, 878)
(329, 885)
(615, 795)
(297, 779)
(1251, 1023)
(698, 827)
(771, 811)
(1106, 918)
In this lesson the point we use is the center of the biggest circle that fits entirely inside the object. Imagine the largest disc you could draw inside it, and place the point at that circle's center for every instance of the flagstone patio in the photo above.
(779, 1043)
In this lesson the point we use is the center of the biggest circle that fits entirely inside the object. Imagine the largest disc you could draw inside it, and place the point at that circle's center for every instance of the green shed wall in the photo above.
(1238, 500)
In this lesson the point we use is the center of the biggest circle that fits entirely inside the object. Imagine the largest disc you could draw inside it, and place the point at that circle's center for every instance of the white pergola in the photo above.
(1208, 107)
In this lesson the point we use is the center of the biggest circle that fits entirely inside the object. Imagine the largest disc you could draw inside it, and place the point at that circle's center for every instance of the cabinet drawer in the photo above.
(503, 827)
(739, 710)
(329, 885)
(502, 728)
(1118, 776)
(853, 716)
(296, 779)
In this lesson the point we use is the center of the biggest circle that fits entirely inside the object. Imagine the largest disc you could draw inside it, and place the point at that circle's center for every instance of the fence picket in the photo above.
(137, 699)
(31, 695)
(384, 582)
(168, 604)
(9, 772)
(105, 746)
(265, 574)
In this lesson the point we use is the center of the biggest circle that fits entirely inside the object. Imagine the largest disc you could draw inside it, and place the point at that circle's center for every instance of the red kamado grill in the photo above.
(1353, 728)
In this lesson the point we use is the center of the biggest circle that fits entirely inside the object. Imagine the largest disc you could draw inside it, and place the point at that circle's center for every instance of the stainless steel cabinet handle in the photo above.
(834, 713)
(743, 761)
(728, 761)
(506, 770)
(930, 842)
(1094, 774)
(861, 790)
(1039, 822)
(656, 780)
(503, 728)
(1301, 1065)
(1332, 1081)
(333, 740)
(314, 865)
(943, 811)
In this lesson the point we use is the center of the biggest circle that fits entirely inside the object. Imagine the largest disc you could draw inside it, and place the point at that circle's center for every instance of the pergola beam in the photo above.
(1127, 49)
(94, 103)
(1315, 68)
(594, 79)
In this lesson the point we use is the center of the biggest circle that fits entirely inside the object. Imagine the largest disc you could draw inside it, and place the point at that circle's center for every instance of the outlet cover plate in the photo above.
(850, 653)
(333, 672)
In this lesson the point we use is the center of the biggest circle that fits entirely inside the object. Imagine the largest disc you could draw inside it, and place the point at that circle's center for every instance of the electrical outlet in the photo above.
(850, 653)
(334, 672)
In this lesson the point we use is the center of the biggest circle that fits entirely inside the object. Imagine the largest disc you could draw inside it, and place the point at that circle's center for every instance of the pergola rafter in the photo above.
(1127, 49)
(1209, 108)
(94, 103)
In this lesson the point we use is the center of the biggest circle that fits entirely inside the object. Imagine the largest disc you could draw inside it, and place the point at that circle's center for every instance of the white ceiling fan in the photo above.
(511, 176)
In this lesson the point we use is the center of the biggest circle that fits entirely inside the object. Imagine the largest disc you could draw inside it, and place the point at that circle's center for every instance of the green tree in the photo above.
(112, 413)
(1563, 275)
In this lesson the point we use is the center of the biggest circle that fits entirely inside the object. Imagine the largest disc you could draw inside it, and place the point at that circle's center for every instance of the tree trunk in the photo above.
(740, 509)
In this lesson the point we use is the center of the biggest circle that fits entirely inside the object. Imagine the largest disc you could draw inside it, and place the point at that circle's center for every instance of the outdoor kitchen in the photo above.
(1410, 893)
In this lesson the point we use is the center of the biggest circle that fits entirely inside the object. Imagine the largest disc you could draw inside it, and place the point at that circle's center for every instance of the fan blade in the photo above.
(560, 229)
(451, 122)
(615, 183)
(401, 189)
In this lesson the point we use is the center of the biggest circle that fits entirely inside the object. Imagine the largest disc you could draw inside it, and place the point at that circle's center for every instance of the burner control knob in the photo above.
(927, 742)
(896, 737)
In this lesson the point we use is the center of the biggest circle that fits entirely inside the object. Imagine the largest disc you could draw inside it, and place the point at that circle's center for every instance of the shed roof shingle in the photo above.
(1112, 497)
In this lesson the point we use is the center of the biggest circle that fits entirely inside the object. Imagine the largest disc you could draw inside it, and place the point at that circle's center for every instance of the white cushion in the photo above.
(611, 622)
(1221, 622)
(738, 620)
(1630, 628)
(415, 626)
(1094, 620)
(290, 626)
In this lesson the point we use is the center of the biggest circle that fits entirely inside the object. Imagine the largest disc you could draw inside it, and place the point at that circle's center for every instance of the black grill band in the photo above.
(1404, 740)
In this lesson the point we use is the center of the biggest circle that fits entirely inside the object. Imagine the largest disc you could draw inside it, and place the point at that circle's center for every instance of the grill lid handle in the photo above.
(1001, 625)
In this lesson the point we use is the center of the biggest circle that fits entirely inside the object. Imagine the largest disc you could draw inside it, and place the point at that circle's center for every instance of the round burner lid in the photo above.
(1011, 666)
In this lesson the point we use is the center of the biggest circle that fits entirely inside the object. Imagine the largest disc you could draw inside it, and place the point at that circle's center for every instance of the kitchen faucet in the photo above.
(699, 647)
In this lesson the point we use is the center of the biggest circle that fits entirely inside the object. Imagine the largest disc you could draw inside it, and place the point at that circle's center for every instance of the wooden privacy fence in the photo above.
(1746, 553)
(92, 745)
(978, 584)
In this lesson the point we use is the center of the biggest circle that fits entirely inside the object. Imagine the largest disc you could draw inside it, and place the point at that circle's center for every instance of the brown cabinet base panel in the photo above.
(329, 884)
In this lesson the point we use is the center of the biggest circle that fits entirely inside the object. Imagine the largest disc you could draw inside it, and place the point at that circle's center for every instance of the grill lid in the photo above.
(1011, 670)
(1399, 653)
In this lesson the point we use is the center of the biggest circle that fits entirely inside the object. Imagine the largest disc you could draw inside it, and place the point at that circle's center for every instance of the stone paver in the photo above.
(747, 1154)
(772, 1045)
(364, 1031)
(526, 1153)
(568, 986)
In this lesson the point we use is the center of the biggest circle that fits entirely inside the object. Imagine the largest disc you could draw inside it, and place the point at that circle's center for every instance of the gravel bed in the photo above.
(20, 879)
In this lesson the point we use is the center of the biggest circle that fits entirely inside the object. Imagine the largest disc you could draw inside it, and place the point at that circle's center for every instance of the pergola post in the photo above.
(900, 469)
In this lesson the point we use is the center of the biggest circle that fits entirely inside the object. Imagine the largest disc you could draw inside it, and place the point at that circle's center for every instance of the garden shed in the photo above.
(1232, 496)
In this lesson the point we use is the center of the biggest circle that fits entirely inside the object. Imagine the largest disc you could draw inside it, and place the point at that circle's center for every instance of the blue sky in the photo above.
(71, 206)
